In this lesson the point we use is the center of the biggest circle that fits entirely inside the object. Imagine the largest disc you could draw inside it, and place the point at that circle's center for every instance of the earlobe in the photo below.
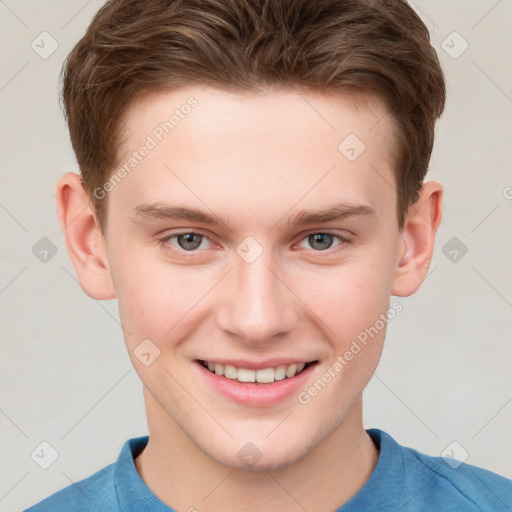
(418, 237)
(84, 240)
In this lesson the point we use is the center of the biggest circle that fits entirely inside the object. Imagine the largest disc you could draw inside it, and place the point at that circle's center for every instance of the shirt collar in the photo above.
(132, 493)
(384, 488)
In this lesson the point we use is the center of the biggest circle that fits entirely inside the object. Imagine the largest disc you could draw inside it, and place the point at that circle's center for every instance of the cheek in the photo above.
(354, 305)
(155, 295)
(349, 297)
(155, 298)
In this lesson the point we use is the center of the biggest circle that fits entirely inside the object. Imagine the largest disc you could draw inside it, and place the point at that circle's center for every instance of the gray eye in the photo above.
(189, 241)
(321, 241)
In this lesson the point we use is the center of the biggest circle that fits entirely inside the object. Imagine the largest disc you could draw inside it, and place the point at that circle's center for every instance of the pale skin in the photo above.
(255, 161)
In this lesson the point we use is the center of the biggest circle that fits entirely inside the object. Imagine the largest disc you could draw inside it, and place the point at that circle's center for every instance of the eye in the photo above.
(187, 241)
(323, 241)
(190, 241)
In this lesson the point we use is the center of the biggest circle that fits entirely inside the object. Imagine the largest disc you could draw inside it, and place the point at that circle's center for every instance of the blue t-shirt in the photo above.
(403, 480)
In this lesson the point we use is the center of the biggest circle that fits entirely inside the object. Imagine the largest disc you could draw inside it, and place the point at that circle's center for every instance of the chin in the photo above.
(256, 465)
(263, 456)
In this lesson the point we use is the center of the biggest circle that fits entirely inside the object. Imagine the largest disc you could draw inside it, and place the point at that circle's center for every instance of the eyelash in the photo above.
(343, 241)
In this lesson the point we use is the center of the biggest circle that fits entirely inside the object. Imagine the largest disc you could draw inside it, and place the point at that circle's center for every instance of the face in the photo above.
(218, 255)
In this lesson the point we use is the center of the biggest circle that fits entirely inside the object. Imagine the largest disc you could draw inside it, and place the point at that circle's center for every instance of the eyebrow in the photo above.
(338, 211)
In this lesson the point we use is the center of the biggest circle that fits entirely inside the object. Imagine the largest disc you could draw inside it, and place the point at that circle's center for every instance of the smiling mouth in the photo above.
(263, 376)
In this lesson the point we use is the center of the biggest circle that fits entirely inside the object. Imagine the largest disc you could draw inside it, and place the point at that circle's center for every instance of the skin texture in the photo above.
(254, 160)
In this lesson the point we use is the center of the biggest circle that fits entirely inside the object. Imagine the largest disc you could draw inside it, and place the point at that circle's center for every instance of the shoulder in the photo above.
(412, 481)
(446, 487)
(96, 492)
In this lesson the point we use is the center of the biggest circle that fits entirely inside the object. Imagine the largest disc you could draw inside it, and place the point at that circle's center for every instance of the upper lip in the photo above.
(259, 365)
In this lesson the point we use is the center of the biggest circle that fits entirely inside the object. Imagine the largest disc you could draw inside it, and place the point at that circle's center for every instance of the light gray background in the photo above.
(65, 376)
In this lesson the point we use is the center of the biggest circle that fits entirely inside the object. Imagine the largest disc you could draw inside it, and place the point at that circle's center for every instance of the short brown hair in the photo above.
(380, 48)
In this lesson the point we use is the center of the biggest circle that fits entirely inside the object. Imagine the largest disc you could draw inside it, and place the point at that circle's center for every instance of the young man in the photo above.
(252, 192)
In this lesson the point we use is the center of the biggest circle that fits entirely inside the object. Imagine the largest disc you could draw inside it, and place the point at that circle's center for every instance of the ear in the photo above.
(84, 240)
(417, 240)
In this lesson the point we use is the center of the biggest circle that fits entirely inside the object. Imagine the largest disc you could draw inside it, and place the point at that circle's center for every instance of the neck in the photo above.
(185, 478)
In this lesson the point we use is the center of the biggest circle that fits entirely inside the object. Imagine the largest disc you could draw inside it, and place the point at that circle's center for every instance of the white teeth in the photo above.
(291, 370)
(280, 372)
(245, 375)
(264, 376)
(230, 371)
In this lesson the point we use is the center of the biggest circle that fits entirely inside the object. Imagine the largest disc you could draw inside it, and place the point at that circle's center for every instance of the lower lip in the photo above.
(257, 395)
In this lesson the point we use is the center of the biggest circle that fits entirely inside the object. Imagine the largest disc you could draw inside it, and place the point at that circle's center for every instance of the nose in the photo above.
(257, 304)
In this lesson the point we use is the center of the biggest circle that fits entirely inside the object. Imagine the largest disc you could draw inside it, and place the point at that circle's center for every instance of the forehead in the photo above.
(284, 115)
(277, 147)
